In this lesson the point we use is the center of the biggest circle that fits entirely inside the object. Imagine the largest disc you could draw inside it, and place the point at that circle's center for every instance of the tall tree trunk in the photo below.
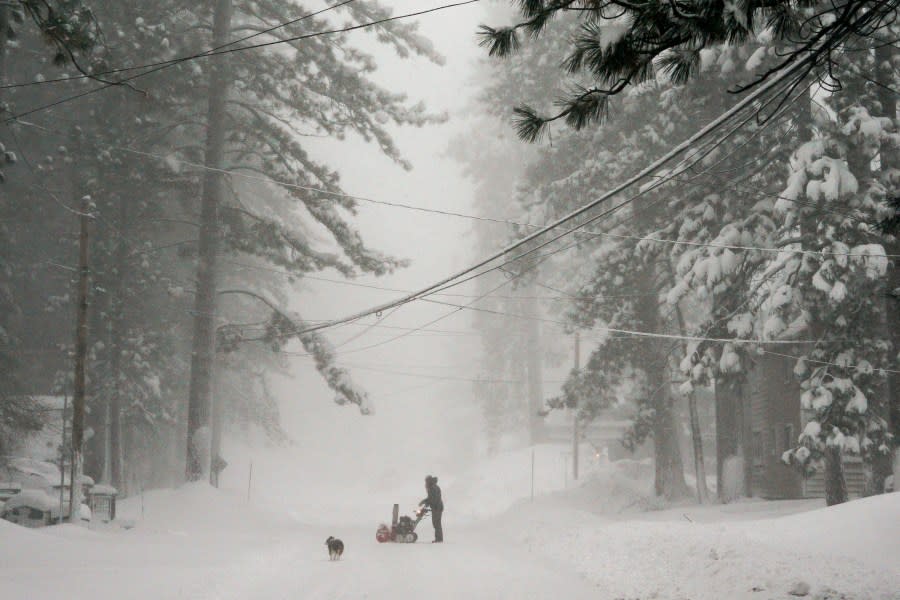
(218, 421)
(81, 333)
(669, 473)
(729, 433)
(696, 435)
(883, 464)
(669, 469)
(117, 333)
(4, 38)
(535, 377)
(835, 484)
(203, 347)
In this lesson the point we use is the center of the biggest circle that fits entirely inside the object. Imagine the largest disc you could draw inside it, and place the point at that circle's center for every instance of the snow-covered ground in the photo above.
(595, 540)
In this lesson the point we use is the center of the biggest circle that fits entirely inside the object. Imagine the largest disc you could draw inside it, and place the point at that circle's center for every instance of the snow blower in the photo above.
(402, 529)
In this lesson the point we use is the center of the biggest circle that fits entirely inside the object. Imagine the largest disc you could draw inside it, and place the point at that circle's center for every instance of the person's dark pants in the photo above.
(436, 521)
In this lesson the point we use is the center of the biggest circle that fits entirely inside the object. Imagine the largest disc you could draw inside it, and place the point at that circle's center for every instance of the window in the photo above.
(789, 439)
(773, 442)
(758, 448)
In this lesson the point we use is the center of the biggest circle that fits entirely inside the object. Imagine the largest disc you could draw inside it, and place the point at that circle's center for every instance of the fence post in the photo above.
(532, 474)
(249, 481)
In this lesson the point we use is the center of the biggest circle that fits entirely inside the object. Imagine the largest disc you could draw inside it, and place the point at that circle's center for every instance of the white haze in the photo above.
(422, 425)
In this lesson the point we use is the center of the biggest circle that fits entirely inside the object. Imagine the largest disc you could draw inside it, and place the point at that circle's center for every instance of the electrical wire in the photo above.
(579, 231)
(174, 61)
(650, 169)
(631, 332)
(226, 50)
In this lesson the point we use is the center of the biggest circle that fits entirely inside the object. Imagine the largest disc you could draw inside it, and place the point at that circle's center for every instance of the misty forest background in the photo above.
(204, 208)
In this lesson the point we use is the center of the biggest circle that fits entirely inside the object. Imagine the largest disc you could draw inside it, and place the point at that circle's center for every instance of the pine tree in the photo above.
(642, 39)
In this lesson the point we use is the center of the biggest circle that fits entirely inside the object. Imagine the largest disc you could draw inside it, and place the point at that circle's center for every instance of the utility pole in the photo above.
(534, 366)
(81, 332)
(575, 412)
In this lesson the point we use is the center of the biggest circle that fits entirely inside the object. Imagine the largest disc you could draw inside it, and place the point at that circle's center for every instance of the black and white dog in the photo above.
(335, 548)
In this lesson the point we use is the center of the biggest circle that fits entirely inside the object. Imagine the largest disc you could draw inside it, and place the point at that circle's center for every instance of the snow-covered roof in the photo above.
(85, 480)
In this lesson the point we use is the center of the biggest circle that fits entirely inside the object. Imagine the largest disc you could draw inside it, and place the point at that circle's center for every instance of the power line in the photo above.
(825, 362)
(562, 296)
(715, 124)
(577, 231)
(435, 377)
(226, 50)
(174, 61)
(457, 308)
(631, 332)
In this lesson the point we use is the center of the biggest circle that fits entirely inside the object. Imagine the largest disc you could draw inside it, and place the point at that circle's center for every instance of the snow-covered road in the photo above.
(197, 543)
(470, 565)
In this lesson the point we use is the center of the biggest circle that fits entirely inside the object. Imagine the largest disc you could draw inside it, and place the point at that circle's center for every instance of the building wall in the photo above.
(775, 421)
(774, 424)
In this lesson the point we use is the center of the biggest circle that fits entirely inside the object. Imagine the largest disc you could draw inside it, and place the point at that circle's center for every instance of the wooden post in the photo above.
(78, 399)
(575, 412)
(532, 474)
(534, 367)
(249, 481)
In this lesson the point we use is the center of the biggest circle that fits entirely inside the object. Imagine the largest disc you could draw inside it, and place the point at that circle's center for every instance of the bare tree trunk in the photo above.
(203, 348)
(835, 484)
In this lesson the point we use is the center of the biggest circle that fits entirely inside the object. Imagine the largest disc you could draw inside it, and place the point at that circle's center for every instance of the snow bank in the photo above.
(499, 483)
(494, 485)
(733, 551)
(867, 529)
(193, 542)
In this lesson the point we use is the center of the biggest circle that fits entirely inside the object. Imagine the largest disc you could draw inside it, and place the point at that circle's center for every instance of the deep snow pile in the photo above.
(853, 549)
(496, 484)
(195, 542)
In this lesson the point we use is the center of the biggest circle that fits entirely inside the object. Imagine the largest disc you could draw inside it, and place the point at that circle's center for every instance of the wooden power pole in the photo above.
(81, 332)
(575, 412)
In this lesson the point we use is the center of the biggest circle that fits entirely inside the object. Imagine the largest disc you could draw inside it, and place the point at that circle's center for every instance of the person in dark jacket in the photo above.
(436, 504)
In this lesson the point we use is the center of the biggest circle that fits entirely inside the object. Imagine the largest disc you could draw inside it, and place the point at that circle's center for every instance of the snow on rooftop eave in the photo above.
(102, 489)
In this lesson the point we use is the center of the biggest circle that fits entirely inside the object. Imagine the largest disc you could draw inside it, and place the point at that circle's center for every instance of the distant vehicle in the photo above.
(8, 489)
(31, 508)
(36, 508)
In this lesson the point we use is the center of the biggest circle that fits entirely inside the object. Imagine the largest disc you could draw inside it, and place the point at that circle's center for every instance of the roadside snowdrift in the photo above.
(193, 542)
(498, 483)
(853, 549)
